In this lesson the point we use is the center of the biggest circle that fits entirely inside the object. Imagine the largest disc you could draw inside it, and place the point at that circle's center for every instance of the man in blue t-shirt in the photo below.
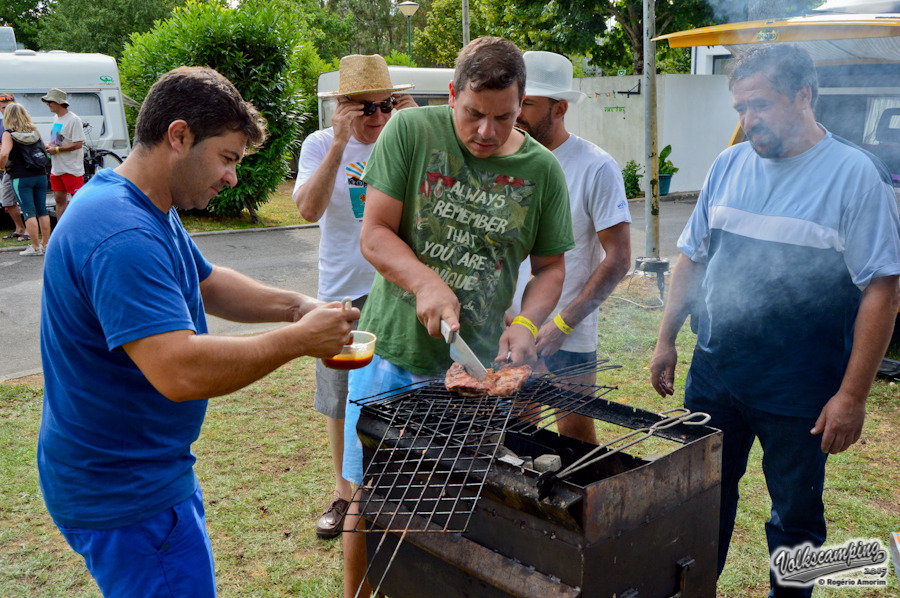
(128, 364)
(790, 264)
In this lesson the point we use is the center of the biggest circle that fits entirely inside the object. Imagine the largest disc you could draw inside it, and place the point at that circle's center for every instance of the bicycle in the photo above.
(97, 159)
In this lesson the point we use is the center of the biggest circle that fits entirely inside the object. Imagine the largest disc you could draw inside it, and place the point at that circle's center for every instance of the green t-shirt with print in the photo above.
(469, 219)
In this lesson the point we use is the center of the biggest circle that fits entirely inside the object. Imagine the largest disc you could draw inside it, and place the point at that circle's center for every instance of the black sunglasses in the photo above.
(369, 108)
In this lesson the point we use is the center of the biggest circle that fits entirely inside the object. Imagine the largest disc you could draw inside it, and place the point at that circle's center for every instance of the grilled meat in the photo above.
(508, 380)
(503, 382)
(460, 382)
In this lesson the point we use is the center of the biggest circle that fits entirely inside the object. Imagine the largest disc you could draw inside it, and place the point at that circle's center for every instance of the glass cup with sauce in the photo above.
(355, 355)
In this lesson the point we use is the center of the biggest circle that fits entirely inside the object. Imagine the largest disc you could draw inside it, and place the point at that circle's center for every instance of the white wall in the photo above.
(694, 115)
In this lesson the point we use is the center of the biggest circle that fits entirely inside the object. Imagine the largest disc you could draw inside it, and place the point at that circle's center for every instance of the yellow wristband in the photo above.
(561, 324)
(527, 324)
(57, 150)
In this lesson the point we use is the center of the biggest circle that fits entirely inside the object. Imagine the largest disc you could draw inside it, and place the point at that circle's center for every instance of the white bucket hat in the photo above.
(549, 75)
(364, 74)
(56, 95)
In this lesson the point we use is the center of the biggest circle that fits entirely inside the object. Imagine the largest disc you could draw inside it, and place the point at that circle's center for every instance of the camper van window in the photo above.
(883, 122)
(720, 64)
(870, 120)
(85, 105)
(7, 39)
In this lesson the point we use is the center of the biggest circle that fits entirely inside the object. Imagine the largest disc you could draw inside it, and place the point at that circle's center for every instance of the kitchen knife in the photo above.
(462, 354)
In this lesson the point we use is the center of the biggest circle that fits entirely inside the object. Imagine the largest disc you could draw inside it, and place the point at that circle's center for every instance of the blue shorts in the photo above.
(31, 192)
(377, 377)
(167, 555)
(565, 359)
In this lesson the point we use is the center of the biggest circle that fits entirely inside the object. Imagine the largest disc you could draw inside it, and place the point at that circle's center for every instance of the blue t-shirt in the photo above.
(112, 450)
(789, 245)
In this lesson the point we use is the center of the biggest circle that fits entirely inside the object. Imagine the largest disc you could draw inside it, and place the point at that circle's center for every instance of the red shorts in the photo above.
(69, 183)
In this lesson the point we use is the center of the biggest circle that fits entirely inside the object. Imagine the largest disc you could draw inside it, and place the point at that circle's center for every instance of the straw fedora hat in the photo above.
(549, 75)
(364, 74)
(56, 95)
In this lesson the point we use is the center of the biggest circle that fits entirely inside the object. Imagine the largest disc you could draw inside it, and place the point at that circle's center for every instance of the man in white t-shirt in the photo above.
(329, 191)
(600, 219)
(65, 149)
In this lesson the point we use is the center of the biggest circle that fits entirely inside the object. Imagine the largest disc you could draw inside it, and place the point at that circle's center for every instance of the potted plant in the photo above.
(666, 170)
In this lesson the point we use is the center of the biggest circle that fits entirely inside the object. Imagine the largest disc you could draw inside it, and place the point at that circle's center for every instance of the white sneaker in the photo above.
(32, 251)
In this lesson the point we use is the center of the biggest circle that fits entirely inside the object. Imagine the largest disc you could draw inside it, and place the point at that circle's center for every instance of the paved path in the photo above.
(284, 257)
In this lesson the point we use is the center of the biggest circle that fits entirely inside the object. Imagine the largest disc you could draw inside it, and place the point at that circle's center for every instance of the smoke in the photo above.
(733, 11)
(729, 11)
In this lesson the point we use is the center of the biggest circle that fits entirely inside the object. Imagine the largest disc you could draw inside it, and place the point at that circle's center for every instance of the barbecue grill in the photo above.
(455, 506)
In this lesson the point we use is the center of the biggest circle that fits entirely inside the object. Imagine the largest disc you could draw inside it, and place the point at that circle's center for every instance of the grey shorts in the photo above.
(331, 385)
(7, 196)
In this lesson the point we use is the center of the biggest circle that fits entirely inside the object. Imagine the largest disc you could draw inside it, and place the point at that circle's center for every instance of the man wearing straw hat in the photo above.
(65, 149)
(600, 218)
(457, 199)
(329, 191)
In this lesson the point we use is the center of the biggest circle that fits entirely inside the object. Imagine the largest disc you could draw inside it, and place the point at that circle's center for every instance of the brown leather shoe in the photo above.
(330, 523)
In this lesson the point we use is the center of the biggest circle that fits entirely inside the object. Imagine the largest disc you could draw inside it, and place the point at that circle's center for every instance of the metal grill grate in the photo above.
(432, 461)
(437, 447)
(429, 468)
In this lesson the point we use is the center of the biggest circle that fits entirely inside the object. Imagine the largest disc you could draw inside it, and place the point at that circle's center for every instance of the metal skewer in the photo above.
(547, 479)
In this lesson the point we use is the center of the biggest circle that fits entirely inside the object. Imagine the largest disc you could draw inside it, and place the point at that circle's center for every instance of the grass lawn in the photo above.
(280, 210)
(264, 467)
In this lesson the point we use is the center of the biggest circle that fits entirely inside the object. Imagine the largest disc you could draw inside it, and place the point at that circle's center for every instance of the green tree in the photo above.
(329, 32)
(396, 58)
(378, 27)
(440, 40)
(609, 31)
(99, 25)
(24, 17)
(266, 58)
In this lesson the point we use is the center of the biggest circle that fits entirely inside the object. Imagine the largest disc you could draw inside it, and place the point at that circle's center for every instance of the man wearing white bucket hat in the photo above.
(600, 218)
(65, 149)
(329, 191)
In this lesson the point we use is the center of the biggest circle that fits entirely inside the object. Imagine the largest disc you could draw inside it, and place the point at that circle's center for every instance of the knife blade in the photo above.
(462, 354)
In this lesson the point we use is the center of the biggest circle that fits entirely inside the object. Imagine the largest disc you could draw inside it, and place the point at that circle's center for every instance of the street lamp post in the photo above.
(408, 9)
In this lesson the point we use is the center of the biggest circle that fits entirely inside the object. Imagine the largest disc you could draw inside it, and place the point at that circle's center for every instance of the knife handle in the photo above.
(449, 335)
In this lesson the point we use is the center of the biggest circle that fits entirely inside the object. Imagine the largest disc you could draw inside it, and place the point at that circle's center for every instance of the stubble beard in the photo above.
(770, 146)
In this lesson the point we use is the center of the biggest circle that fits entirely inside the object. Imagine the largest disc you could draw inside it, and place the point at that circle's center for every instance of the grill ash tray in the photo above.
(509, 482)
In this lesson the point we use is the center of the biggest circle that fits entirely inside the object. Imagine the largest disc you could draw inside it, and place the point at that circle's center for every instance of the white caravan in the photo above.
(91, 82)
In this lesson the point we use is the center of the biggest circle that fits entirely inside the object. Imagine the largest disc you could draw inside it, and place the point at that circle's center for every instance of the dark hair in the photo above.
(207, 101)
(788, 67)
(489, 63)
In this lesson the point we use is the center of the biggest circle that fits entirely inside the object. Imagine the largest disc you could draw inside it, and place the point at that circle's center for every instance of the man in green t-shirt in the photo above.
(456, 200)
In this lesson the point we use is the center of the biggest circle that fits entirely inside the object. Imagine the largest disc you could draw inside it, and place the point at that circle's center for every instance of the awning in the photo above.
(828, 38)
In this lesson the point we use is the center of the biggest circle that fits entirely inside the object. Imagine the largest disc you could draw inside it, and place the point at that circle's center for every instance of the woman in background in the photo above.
(29, 180)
